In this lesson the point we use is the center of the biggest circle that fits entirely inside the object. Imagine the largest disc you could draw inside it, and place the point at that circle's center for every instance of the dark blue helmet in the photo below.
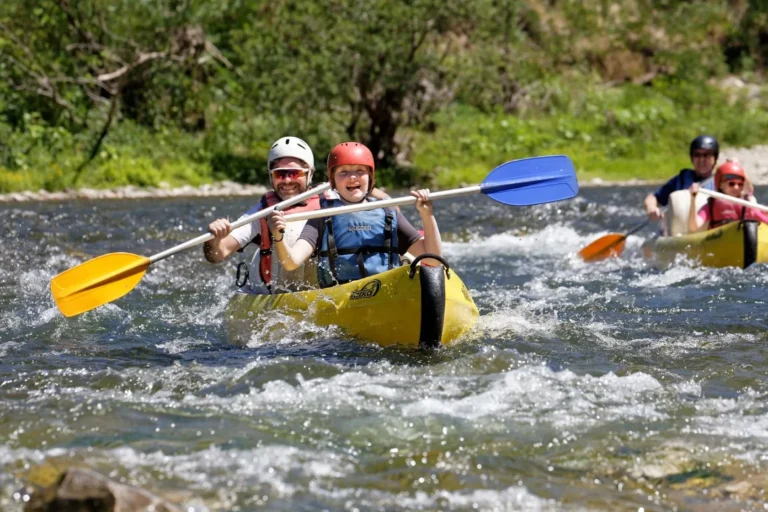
(707, 142)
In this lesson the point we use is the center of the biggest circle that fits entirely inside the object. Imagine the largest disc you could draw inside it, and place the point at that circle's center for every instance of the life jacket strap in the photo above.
(361, 264)
(332, 252)
(388, 237)
(265, 249)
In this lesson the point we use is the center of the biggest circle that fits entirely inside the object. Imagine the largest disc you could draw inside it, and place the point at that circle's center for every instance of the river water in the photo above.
(604, 386)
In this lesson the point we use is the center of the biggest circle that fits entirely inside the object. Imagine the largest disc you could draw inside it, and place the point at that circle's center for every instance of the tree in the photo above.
(114, 57)
(370, 68)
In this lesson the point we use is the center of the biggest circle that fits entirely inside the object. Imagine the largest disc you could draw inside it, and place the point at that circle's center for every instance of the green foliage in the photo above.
(145, 172)
(355, 70)
(622, 133)
(45, 157)
(110, 92)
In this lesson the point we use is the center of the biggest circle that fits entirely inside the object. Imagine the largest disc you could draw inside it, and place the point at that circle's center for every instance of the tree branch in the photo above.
(76, 23)
(143, 57)
(52, 93)
(97, 144)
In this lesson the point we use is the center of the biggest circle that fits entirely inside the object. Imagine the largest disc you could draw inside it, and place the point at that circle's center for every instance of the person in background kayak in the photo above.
(291, 165)
(704, 151)
(355, 245)
(730, 179)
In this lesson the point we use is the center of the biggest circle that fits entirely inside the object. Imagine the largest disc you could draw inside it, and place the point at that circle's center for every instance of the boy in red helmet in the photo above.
(355, 245)
(730, 179)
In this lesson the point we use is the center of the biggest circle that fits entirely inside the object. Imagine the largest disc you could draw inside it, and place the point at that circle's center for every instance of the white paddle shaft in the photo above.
(386, 203)
(242, 222)
(732, 199)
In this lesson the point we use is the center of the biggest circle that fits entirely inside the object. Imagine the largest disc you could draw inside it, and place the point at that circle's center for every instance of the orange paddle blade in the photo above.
(608, 246)
(97, 282)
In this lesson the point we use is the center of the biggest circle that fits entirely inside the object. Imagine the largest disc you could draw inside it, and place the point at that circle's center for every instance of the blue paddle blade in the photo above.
(537, 180)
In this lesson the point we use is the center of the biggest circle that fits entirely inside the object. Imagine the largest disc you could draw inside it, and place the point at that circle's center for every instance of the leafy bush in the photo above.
(441, 90)
(629, 132)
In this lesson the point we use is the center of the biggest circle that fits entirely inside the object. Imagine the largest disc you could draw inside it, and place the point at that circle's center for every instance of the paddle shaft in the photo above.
(444, 194)
(637, 228)
(732, 199)
(242, 222)
(624, 237)
(386, 203)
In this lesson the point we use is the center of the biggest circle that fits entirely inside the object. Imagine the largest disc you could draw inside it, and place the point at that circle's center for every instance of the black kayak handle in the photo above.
(417, 259)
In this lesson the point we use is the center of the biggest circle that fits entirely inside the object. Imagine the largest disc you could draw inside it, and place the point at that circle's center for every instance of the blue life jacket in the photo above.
(355, 245)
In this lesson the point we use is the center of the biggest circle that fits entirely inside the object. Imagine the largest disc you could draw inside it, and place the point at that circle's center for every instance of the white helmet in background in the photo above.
(291, 147)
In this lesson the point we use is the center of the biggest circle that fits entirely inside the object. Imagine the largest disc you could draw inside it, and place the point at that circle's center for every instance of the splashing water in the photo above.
(600, 386)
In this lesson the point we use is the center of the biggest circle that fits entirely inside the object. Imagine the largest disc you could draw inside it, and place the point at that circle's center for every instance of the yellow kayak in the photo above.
(737, 244)
(409, 305)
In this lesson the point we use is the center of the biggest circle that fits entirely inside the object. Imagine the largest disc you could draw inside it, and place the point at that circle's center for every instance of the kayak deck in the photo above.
(410, 305)
(737, 244)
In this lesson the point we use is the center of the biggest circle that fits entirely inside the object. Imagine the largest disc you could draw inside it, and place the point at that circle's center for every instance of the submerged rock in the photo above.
(84, 490)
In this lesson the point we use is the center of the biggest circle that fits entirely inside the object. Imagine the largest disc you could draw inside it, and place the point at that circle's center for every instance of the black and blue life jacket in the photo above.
(355, 245)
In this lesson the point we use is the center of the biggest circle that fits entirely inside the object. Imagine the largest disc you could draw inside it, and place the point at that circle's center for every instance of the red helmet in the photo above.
(727, 171)
(350, 153)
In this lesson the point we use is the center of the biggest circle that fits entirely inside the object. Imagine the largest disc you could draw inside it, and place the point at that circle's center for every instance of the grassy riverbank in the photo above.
(616, 134)
(613, 133)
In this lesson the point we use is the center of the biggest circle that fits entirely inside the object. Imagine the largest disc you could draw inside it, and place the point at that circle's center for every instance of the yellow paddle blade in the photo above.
(608, 246)
(97, 282)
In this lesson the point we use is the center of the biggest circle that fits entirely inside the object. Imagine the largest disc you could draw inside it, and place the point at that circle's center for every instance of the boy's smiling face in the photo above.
(352, 182)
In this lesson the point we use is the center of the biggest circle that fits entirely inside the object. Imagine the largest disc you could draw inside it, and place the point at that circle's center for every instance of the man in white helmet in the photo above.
(291, 164)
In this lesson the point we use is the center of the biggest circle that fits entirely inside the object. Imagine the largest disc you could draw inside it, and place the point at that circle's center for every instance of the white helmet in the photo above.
(292, 147)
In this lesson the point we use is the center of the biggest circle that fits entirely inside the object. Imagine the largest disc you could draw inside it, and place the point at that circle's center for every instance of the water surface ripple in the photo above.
(607, 386)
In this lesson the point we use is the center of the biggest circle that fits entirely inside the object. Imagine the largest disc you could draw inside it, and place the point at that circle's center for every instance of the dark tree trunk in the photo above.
(383, 127)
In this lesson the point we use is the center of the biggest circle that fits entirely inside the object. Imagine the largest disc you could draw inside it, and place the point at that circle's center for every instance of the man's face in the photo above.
(290, 177)
(703, 162)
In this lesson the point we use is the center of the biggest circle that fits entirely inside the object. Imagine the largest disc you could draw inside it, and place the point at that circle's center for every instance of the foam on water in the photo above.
(561, 399)
(554, 240)
(575, 372)
(181, 346)
(214, 467)
(281, 329)
(510, 499)
(516, 321)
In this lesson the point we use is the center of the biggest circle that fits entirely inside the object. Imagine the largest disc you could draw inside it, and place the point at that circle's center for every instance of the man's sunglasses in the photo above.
(736, 183)
(702, 154)
(288, 174)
